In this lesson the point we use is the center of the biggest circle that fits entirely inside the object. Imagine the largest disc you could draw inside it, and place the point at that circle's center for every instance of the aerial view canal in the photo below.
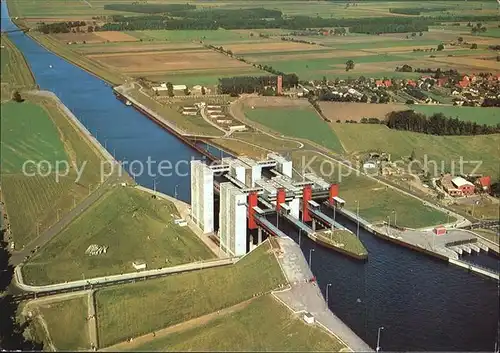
(422, 303)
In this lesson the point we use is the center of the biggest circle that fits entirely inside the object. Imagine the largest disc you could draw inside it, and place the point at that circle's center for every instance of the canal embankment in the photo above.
(304, 295)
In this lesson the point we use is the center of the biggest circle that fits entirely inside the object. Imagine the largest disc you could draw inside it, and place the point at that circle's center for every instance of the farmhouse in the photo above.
(457, 186)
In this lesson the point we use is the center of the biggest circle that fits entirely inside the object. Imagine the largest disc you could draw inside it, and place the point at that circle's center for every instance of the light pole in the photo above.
(378, 338)
(395, 219)
(327, 286)
(300, 236)
(58, 214)
(357, 218)
(37, 228)
(154, 186)
(388, 224)
(175, 191)
(310, 256)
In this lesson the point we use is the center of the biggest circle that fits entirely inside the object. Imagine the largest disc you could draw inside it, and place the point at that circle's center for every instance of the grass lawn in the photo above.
(441, 149)
(345, 240)
(132, 224)
(376, 201)
(263, 325)
(254, 144)
(67, 323)
(300, 122)
(488, 116)
(14, 71)
(38, 130)
(135, 309)
(29, 134)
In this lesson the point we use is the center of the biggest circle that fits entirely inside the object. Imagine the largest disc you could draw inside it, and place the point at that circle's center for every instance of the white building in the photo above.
(232, 220)
(202, 196)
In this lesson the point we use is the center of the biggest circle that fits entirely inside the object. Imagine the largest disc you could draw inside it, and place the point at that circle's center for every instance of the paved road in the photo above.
(305, 296)
(118, 279)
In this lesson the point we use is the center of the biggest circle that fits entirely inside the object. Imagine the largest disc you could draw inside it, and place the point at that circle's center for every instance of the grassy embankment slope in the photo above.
(132, 224)
(363, 138)
(39, 131)
(136, 309)
(480, 115)
(66, 321)
(376, 201)
(252, 328)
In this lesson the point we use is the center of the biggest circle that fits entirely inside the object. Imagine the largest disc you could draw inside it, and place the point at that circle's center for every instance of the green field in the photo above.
(264, 325)
(29, 134)
(182, 36)
(132, 224)
(67, 323)
(301, 122)
(441, 149)
(38, 130)
(376, 201)
(488, 116)
(135, 309)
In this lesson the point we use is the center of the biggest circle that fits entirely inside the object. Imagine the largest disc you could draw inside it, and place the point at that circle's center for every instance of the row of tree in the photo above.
(252, 19)
(437, 124)
(59, 27)
(245, 84)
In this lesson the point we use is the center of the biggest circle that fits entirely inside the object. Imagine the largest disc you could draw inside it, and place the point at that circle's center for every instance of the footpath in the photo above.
(305, 296)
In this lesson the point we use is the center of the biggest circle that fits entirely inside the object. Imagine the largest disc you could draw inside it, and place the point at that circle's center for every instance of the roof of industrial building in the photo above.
(459, 182)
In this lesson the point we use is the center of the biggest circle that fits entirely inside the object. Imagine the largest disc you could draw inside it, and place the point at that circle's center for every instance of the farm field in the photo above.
(250, 328)
(293, 119)
(66, 321)
(363, 138)
(488, 116)
(376, 201)
(38, 130)
(132, 310)
(133, 226)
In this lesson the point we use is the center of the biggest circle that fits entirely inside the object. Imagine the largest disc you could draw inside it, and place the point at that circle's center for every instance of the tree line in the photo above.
(437, 124)
(60, 27)
(259, 18)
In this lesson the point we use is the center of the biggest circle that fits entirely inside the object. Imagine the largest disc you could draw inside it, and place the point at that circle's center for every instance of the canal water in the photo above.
(422, 303)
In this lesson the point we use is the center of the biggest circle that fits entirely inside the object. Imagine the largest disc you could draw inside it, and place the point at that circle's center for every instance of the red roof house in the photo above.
(484, 182)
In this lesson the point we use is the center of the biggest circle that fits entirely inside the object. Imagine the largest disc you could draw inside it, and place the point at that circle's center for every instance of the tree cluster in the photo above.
(59, 27)
(437, 124)
(245, 84)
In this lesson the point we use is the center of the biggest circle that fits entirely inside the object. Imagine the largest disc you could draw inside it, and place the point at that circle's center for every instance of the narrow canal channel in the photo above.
(423, 303)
